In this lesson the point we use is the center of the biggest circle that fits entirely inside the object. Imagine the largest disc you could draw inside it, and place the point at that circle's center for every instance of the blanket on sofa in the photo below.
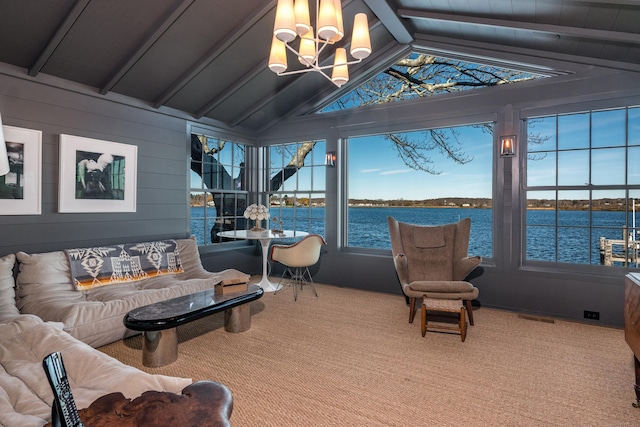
(25, 394)
(106, 265)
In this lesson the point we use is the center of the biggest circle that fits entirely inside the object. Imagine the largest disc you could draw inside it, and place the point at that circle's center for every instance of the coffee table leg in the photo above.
(159, 348)
(238, 318)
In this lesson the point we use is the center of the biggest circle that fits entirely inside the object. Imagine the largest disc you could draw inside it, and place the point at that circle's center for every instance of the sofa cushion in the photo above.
(44, 277)
(25, 394)
(445, 286)
(129, 262)
(8, 307)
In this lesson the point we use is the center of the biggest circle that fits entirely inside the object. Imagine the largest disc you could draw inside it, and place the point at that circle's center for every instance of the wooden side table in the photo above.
(447, 306)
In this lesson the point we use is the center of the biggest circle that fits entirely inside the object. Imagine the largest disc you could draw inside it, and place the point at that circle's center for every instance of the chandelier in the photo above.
(293, 22)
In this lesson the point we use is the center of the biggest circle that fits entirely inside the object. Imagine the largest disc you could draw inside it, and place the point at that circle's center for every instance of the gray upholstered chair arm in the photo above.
(400, 262)
(465, 266)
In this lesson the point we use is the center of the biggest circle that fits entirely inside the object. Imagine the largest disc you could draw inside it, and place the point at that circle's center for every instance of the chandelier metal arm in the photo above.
(314, 62)
(313, 66)
(293, 23)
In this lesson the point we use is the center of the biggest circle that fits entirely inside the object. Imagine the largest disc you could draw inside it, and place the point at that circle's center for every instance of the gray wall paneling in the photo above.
(161, 179)
(161, 209)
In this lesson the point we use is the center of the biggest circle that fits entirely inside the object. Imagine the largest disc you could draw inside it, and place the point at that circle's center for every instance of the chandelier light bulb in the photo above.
(340, 74)
(303, 21)
(360, 41)
(307, 49)
(278, 56)
(327, 20)
(285, 26)
(340, 34)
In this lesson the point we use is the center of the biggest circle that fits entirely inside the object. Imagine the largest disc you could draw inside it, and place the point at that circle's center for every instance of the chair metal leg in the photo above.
(310, 281)
(297, 277)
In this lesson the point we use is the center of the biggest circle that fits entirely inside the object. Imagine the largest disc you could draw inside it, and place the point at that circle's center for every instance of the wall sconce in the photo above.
(330, 159)
(508, 146)
(4, 158)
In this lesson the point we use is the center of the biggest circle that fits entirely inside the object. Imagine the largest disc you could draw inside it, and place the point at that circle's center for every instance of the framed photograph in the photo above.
(96, 176)
(21, 188)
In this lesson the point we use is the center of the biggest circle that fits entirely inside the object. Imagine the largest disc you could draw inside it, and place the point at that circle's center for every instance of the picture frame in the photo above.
(96, 175)
(21, 188)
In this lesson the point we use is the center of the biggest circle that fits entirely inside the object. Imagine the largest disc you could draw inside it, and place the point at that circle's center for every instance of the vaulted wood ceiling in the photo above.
(208, 58)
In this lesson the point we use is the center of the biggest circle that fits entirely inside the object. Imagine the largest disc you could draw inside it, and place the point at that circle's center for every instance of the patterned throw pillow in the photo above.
(106, 265)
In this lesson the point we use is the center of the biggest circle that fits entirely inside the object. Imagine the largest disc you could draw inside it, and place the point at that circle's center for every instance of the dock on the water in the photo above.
(626, 252)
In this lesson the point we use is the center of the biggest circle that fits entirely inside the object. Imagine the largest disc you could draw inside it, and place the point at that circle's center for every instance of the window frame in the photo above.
(250, 179)
(442, 121)
(286, 191)
(589, 188)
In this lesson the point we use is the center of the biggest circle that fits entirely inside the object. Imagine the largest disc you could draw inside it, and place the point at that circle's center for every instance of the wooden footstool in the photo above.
(448, 306)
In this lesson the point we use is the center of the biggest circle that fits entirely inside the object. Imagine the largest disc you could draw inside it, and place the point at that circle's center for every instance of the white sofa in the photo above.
(45, 291)
(45, 288)
(25, 340)
(25, 394)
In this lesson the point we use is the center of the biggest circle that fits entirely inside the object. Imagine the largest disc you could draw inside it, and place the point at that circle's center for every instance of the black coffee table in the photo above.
(158, 321)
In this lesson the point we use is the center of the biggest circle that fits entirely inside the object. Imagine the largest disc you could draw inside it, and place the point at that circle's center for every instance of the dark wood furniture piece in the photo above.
(632, 324)
(445, 306)
(201, 403)
(158, 321)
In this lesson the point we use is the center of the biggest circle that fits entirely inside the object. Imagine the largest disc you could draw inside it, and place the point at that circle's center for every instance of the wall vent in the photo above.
(536, 318)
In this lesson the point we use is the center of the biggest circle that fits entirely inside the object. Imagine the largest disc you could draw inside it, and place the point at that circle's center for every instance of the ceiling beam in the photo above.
(390, 20)
(560, 62)
(210, 56)
(610, 2)
(57, 38)
(233, 88)
(589, 33)
(167, 22)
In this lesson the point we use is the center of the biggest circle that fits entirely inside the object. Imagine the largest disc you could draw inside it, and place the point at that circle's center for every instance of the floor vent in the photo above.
(536, 318)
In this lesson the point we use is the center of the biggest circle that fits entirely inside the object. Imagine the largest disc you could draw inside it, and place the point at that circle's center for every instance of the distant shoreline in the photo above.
(448, 207)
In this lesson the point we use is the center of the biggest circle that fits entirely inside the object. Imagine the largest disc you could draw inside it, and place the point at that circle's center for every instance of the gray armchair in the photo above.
(432, 261)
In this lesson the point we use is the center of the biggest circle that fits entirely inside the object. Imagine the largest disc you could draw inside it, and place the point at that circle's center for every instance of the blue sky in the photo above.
(605, 132)
(376, 171)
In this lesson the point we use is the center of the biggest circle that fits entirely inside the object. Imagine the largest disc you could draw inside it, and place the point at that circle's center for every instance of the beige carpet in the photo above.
(350, 358)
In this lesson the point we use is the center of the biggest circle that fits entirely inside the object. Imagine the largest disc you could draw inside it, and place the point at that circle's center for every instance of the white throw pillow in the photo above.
(7, 288)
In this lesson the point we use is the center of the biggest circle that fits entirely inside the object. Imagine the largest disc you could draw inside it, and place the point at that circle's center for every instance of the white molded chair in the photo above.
(297, 258)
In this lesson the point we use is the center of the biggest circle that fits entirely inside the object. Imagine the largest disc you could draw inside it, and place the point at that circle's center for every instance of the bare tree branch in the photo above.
(418, 76)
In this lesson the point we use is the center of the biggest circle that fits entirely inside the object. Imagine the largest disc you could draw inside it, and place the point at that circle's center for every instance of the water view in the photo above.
(367, 228)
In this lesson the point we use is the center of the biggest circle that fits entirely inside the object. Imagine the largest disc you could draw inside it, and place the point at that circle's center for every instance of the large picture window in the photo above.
(583, 188)
(297, 185)
(218, 187)
(429, 177)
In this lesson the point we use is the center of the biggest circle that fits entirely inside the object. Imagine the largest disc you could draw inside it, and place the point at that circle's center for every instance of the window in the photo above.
(583, 187)
(420, 75)
(430, 177)
(218, 187)
(297, 185)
